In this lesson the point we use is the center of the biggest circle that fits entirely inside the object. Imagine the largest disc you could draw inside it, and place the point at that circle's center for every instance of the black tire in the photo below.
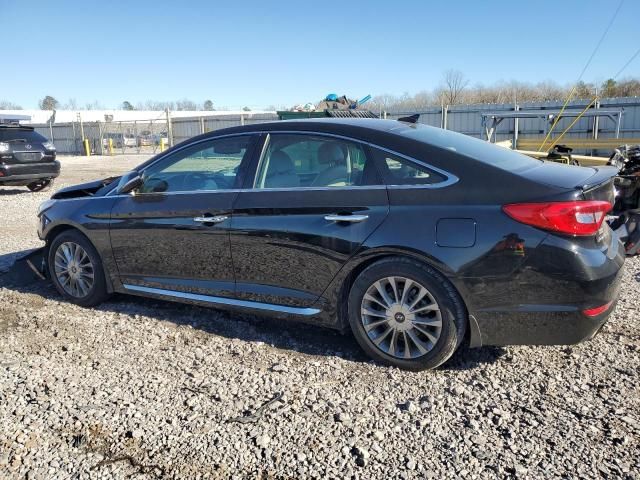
(97, 293)
(40, 185)
(452, 311)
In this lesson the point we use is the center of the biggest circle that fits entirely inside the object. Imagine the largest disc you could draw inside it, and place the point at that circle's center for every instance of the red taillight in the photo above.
(594, 312)
(579, 217)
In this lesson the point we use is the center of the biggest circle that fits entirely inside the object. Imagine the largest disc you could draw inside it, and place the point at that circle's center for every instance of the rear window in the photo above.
(480, 150)
(9, 134)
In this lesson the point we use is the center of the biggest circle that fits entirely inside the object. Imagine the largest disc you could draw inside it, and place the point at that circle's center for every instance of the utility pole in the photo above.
(169, 127)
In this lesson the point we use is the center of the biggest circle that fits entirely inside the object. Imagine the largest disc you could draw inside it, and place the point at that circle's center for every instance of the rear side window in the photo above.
(400, 171)
(313, 161)
(480, 150)
(18, 134)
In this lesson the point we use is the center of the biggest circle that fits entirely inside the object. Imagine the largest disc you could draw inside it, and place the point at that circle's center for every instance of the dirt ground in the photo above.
(138, 388)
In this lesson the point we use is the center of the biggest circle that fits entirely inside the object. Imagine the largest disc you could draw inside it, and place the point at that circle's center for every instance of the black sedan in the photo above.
(414, 238)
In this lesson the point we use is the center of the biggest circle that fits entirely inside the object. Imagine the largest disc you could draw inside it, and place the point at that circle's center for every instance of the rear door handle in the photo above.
(214, 219)
(346, 218)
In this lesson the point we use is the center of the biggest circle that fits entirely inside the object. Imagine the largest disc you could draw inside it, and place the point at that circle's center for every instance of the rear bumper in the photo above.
(553, 290)
(23, 173)
(537, 327)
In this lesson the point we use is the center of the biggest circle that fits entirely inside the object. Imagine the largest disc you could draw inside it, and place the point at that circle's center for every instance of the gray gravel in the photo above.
(161, 390)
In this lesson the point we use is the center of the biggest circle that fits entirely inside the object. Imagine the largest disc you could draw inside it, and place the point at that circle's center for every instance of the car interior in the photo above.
(303, 161)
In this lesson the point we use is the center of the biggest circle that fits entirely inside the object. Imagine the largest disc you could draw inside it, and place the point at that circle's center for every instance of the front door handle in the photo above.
(346, 218)
(214, 219)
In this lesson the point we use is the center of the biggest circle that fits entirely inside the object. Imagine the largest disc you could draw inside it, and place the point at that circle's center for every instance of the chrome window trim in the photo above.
(306, 311)
(451, 178)
(171, 152)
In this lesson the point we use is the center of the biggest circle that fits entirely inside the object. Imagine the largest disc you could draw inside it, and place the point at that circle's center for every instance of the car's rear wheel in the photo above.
(40, 185)
(76, 270)
(406, 314)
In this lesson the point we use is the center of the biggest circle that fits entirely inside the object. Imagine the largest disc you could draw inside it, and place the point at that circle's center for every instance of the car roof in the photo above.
(365, 129)
(14, 126)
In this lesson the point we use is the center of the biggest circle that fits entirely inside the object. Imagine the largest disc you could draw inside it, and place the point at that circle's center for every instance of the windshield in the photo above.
(18, 134)
(465, 145)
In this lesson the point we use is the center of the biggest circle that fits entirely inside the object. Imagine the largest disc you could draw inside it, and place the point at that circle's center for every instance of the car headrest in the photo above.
(331, 153)
(280, 162)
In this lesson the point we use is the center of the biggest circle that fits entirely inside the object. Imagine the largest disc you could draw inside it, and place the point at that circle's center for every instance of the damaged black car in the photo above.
(414, 239)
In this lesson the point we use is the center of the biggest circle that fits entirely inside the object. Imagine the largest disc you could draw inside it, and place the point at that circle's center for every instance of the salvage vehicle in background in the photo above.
(413, 237)
(625, 217)
(26, 158)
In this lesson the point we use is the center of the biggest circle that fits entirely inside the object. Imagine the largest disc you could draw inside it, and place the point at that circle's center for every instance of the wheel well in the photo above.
(350, 278)
(57, 230)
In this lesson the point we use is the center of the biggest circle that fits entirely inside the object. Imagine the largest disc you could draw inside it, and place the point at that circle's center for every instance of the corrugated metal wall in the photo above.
(467, 119)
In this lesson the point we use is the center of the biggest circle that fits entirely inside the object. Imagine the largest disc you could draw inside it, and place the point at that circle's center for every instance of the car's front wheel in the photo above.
(76, 270)
(406, 314)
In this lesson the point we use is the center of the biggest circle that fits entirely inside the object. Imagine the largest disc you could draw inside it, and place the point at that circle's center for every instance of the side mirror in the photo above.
(129, 182)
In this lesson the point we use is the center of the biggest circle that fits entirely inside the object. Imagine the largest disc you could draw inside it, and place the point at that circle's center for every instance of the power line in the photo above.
(604, 34)
(633, 57)
(573, 90)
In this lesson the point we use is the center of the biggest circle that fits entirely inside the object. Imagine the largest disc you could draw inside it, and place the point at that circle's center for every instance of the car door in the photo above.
(171, 236)
(313, 201)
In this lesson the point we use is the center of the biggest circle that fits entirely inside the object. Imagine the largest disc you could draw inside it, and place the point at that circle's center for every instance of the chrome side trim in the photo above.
(224, 301)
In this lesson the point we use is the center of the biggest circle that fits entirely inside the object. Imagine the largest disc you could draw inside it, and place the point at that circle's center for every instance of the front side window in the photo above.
(400, 171)
(302, 160)
(206, 166)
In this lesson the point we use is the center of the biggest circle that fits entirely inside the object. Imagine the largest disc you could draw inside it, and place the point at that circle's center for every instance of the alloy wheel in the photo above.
(401, 317)
(73, 269)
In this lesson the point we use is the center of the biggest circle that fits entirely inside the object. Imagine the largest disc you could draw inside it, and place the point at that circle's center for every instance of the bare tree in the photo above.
(454, 84)
(186, 104)
(72, 104)
(7, 105)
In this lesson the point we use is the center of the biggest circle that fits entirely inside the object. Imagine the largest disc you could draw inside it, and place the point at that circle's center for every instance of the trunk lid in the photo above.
(569, 176)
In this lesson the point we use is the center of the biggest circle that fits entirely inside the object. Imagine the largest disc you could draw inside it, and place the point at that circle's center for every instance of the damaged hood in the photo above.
(89, 189)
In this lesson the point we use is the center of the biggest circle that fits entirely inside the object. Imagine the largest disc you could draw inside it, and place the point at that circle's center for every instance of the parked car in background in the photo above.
(162, 136)
(412, 237)
(119, 140)
(145, 139)
(26, 158)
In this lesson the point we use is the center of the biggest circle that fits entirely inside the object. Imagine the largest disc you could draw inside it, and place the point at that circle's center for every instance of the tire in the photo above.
(439, 314)
(63, 245)
(40, 185)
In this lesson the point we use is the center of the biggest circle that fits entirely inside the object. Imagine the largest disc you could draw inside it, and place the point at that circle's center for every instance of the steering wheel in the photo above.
(198, 181)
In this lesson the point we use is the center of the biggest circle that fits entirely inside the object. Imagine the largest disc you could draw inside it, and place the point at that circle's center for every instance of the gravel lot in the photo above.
(161, 390)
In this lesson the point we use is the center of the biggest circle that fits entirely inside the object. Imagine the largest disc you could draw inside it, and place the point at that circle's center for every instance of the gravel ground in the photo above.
(159, 390)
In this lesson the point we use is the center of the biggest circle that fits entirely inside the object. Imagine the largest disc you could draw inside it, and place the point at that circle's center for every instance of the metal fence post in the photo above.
(169, 127)
(445, 118)
(516, 127)
(596, 121)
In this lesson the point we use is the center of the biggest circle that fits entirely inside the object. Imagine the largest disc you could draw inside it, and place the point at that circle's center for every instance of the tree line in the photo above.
(454, 89)
(52, 103)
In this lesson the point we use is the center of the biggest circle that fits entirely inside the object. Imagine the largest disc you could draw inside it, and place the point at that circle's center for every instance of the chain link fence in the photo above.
(145, 136)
